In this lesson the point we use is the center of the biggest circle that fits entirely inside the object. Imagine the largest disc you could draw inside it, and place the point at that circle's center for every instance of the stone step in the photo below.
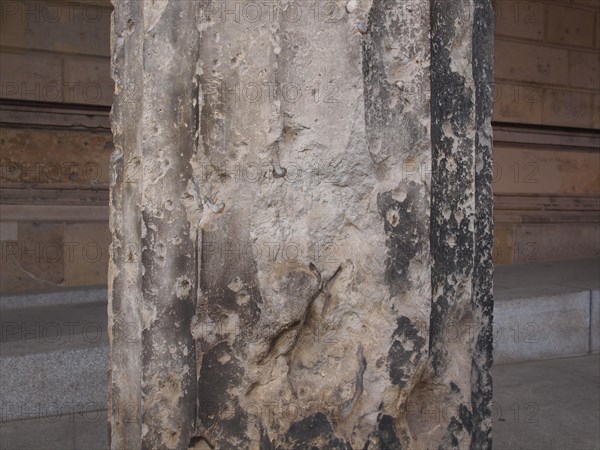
(546, 310)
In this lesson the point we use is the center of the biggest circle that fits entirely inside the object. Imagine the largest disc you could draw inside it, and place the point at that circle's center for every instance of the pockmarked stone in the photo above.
(301, 213)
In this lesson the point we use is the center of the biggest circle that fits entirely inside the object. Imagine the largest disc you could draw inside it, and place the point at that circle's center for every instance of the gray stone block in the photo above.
(595, 322)
(541, 327)
(546, 310)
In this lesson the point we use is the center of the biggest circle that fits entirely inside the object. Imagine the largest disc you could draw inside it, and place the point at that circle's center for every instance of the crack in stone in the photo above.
(199, 443)
(323, 288)
(276, 338)
(347, 407)
(297, 325)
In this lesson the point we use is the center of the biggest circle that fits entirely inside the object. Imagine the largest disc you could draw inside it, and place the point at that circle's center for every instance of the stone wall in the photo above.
(55, 143)
(56, 51)
(54, 207)
(546, 180)
(547, 63)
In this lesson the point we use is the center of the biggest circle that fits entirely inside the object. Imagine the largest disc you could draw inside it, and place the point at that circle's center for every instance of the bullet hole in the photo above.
(235, 284)
(351, 6)
(242, 299)
(183, 287)
(393, 217)
(217, 208)
(362, 27)
(171, 438)
(224, 358)
(130, 24)
(278, 171)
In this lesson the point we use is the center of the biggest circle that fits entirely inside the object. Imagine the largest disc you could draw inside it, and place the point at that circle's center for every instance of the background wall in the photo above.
(547, 168)
(55, 142)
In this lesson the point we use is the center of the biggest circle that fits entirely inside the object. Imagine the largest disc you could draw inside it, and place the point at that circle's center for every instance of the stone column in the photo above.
(302, 224)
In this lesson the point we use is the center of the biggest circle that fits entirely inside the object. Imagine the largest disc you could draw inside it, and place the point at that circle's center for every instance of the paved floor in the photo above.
(553, 404)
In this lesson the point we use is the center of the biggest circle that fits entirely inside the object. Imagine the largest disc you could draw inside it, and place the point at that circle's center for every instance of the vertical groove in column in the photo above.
(168, 239)
(459, 230)
(397, 110)
(124, 275)
(452, 135)
(237, 141)
(483, 74)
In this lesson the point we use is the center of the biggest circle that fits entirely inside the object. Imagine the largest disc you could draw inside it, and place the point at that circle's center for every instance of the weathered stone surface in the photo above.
(308, 221)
